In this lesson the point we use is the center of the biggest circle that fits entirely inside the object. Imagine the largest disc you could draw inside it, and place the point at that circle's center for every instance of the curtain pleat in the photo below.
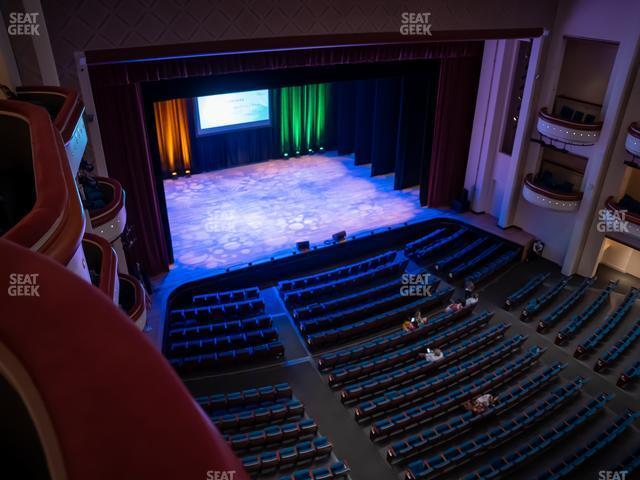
(172, 131)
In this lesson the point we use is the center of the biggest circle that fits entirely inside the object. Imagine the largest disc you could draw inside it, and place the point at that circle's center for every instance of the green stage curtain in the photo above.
(303, 116)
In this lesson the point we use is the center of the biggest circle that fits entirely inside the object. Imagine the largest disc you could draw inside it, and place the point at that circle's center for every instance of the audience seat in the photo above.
(527, 289)
(537, 304)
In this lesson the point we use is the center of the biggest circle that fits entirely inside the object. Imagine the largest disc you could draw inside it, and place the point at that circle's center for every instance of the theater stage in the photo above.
(234, 216)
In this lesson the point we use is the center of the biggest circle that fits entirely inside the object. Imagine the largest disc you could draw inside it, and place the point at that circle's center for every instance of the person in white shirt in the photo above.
(434, 355)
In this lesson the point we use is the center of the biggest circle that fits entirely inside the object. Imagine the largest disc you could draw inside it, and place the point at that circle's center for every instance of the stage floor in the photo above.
(242, 214)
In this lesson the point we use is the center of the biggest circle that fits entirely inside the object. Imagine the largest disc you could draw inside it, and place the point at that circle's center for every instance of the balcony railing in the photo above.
(567, 132)
(103, 265)
(545, 198)
(632, 142)
(109, 221)
(621, 221)
(50, 220)
(65, 108)
(133, 299)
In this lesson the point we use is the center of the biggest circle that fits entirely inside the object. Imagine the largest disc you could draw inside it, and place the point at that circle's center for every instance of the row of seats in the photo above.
(538, 303)
(214, 313)
(618, 348)
(314, 292)
(335, 471)
(443, 432)
(419, 414)
(459, 255)
(438, 246)
(503, 432)
(493, 266)
(363, 310)
(427, 239)
(250, 396)
(322, 308)
(630, 464)
(524, 291)
(285, 409)
(609, 324)
(230, 296)
(414, 370)
(502, 466)
(391, 340)
(273, 434)
(474, 261)
(629, 375)
(580, 319)
(265, 462)
(220, 344)
(274, 350)
(177, 334)
(368, 326)
(407, 353)
(561, 310)
(418, 391)
(598, 444)
(338, 273)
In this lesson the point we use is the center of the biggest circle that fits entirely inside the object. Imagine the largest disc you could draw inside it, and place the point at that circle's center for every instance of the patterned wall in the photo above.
(80, 25)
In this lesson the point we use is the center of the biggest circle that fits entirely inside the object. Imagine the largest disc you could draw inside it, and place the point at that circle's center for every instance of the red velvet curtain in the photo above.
(119, 108)
(455, 107)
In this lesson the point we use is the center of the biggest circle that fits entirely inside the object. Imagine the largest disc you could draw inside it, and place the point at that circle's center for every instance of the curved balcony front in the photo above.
(65, 109)
(620, 221)
(40, 207)
(133, 299)
(566, 131)
(103, 265)
(545, 198)
(105, 203)
(632, 142)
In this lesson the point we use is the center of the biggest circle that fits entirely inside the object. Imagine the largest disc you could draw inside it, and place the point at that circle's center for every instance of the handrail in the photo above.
(67, 117)
(100, 216)
(567, 197)
(108, 263)
(611, 204)
(55, 225)
(592, 127)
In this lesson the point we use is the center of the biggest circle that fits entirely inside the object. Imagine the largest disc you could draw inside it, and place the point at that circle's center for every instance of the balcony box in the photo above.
(109, 221)
(103, 265)
(133, 299)
(544, 198)
(567, 132)
(621, 221)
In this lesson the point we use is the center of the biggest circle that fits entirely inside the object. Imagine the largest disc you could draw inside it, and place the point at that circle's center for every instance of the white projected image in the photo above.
(232, 111)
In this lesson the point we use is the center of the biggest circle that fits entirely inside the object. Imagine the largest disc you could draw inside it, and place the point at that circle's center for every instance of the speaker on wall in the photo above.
(303, 246)
(340, 236)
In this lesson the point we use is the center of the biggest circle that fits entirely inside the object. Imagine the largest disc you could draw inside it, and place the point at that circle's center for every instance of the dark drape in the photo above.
(116, 89)
(344, 116)
(455, 107)
(235, 148)
(415, 127)
(363, 125)
(386, 106)
(122, 119)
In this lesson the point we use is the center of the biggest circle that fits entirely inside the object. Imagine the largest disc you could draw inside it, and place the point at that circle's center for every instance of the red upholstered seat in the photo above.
(104, 401)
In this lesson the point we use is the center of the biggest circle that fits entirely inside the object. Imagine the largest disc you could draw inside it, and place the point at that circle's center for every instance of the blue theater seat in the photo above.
(537, 304)
(619, 348)
(561, 310)
(527, 289)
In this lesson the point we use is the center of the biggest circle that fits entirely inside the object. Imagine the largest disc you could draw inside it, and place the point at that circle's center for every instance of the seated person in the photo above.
(454, 307)
(471, 300)
(469, 287)
(409, 325)
(419, 318)
(434, 355)
(481, 403)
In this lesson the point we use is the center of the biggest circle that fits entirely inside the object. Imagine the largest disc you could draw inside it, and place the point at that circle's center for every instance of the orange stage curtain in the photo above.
(172, 128)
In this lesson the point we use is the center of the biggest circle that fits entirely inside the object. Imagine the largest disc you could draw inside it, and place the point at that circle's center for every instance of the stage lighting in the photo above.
(321, 148)
(285, 155)
(187, 172)
(303, 246)
(297, 152)
(310, 150)
(174, 174)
